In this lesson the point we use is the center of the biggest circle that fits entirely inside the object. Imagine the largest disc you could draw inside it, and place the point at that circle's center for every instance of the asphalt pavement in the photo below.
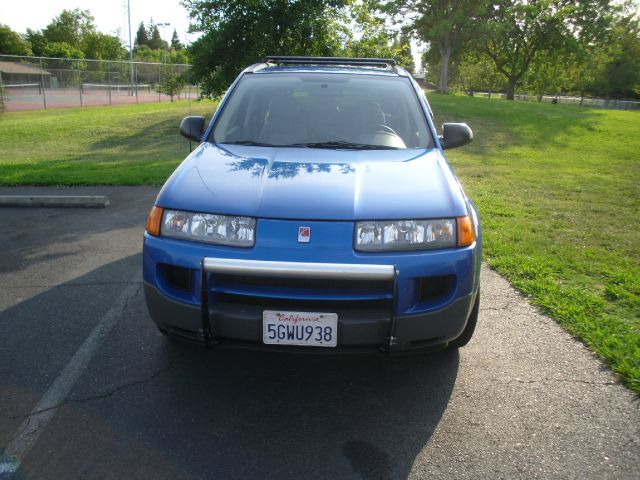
(90, 389)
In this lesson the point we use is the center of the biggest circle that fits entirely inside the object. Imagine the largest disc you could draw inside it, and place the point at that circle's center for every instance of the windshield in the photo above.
(323, 111)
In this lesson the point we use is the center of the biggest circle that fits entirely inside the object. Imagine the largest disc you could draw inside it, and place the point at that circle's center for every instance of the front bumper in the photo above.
(384, 300)
(357, 331)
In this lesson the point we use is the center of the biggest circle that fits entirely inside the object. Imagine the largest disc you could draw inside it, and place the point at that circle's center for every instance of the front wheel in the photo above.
(467, 333)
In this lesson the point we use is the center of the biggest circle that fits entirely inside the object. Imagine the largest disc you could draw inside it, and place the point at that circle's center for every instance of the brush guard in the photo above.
(294, 270)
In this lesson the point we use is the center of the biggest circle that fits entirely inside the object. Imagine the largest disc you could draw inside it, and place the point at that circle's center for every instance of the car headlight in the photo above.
(205, 227)
(406, 234)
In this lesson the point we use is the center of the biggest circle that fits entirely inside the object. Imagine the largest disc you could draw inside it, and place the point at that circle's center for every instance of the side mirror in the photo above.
(455, 135)
(192, 128)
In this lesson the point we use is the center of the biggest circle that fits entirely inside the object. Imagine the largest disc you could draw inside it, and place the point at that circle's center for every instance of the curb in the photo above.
(88, 201)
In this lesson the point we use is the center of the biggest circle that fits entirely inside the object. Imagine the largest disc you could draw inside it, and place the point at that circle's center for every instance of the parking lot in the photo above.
(89, 388)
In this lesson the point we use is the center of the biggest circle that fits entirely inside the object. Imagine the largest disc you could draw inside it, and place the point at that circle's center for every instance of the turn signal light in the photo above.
(153, 221)
(466, 233)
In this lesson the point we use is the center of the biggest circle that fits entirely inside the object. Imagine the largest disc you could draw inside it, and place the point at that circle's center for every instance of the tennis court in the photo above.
(31, 83)
(31, 96)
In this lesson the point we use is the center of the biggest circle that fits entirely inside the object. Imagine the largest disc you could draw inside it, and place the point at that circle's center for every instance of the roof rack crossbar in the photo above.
(368, 62)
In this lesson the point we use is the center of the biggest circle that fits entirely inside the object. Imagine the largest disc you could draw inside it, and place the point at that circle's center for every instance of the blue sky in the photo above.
(110, 15)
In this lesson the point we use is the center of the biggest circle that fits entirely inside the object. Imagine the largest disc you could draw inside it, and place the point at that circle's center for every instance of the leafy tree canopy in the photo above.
(12, 43)
(239, 33)
(516, 32)
(145, 54)
(62, 50)
(236, 34)
(73, 34)
(71, 26)
(446, 26)
(37, 41)
(622, 67)
(367, 35)
(100, 46)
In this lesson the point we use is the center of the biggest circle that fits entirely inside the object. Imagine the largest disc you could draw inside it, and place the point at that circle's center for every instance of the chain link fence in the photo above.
(30, 83)
(610, 104)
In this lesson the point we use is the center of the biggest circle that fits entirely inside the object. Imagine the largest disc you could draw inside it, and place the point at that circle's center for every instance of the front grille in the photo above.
(300, 288)
(300, 283)
(301, 304)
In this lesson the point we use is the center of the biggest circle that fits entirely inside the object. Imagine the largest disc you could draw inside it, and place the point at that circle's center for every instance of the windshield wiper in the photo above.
(331, 144)
(343, 144)
(250, 143)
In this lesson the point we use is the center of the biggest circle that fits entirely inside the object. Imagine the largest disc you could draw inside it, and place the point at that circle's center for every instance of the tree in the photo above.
(141, 36)
(368, 36)
(155, 40)
(550, 73)
(172, 82)
(12, 43)
(477, 73)
(72, 34)
(62, 50)
(37, 42)
(145, 54)
(175, 41)
(70, 27)
(101, 46)
(445, 25)
(517, 32)
(622, 70)
(598, 57)
(236, 34)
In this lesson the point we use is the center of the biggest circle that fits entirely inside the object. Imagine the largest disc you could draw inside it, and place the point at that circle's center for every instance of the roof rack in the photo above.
(301, 60)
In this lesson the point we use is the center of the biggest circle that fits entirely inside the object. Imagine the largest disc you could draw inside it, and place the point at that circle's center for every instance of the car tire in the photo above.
(467, 333)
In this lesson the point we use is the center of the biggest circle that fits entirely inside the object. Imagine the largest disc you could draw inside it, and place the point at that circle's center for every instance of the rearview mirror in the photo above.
(455, 135)
(192, 128)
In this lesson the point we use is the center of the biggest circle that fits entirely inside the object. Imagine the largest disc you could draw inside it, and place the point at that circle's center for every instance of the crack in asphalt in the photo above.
(107, 394)
(134, 383)
(562, 380)
(116, 389)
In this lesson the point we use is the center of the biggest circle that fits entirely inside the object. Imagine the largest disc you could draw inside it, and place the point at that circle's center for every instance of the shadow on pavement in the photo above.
(40, 235)
(39, 335)
(148, 406)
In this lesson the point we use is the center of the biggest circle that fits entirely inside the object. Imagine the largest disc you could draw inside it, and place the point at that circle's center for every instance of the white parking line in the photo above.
(30, 430)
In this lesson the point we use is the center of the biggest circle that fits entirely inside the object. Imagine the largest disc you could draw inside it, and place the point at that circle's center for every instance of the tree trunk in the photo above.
(443, 86)
(511, 90)
(445, 57)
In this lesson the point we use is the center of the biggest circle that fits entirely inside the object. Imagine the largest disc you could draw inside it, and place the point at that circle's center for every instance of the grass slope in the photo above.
(558, 190)
(117, 145)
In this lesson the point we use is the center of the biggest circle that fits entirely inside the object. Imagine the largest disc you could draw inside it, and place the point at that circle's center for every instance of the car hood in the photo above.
(314, 184)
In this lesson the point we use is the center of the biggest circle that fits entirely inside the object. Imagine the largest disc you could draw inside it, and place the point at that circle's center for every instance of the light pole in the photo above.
(130, 47)
(164, 37)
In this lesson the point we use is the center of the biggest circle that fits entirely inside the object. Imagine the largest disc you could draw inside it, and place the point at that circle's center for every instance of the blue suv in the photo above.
(318, 213)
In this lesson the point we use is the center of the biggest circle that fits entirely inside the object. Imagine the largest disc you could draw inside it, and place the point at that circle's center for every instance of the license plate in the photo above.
(300, 328)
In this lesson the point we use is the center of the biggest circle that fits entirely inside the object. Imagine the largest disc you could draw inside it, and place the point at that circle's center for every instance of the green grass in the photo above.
(117, 145)
(558, 190)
